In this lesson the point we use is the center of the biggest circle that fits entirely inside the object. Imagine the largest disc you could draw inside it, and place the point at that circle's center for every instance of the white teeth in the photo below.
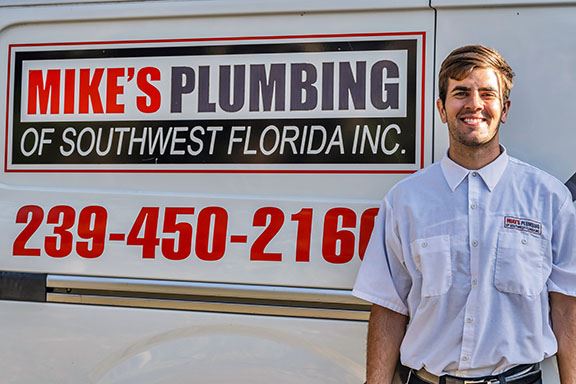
(473, 120)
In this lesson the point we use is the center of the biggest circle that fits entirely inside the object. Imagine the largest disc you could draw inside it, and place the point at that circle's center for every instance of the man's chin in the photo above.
(475, 138)
(473, 143)
(476, 141)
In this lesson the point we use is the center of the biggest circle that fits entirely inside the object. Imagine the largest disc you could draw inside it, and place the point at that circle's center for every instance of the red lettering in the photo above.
(92, 227)
(43, 91)
(147, 223)
(151, 102)
(304, 234)
(338, 243)
(89, 92)
(180, 247)
(32, 216)
(272, 218)
(211, 220)
(511, 220)
(86, 233)
(63, 218)
(366, 227)
(69, 90)
(113, 90)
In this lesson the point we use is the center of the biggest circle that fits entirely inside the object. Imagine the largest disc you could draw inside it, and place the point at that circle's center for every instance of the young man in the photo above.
(471, 268)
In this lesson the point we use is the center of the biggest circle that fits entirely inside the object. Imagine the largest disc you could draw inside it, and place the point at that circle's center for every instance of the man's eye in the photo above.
(489, 95)
(460, 94)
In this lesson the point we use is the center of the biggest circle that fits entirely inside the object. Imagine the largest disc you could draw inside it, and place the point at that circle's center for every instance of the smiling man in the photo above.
(471, 267)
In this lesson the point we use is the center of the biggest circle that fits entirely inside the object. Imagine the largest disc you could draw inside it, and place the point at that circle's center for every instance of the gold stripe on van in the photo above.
(207, 297)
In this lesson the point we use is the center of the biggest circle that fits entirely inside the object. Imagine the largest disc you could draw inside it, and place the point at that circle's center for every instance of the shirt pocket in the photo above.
(433, 259)
(519, 266)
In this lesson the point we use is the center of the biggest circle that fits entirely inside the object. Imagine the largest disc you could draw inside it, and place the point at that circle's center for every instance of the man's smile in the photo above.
(473, 120)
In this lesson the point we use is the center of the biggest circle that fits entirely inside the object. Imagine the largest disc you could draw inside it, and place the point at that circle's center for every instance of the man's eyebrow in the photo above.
(460, 88)
(488, 89)
(464, 88)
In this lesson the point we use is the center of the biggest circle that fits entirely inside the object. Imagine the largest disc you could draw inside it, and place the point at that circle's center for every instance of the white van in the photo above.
(188, 187)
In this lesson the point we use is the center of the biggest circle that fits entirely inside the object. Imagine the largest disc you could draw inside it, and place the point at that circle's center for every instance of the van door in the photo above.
(188, 187)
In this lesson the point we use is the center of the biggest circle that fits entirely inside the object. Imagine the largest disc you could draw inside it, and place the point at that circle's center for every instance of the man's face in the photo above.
(474, 109)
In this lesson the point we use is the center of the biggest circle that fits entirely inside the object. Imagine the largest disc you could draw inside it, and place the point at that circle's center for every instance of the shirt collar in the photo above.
(491, 173)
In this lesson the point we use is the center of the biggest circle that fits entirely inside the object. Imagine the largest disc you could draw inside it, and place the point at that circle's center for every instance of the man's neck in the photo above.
(474, 157)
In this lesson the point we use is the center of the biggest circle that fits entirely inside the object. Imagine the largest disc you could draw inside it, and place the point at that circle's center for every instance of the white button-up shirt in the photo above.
(470, 257)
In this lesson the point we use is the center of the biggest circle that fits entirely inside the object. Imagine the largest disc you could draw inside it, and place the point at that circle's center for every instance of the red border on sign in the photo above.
(422, 34)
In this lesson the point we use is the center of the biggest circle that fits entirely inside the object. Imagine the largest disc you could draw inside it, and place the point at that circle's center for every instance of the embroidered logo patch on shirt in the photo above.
(525, 225)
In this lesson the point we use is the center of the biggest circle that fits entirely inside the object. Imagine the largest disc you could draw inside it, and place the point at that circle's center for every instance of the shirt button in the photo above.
(424, 244)
(524, 241)
(474, 282)
(475, 243)
(469, 320)
(465, 358)
(474, 174)
(473, 206)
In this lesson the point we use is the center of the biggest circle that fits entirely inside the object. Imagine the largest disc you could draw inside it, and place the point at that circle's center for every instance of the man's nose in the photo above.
(475, 101)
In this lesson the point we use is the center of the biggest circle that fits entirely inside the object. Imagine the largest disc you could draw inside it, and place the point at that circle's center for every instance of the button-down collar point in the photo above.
(491, 173)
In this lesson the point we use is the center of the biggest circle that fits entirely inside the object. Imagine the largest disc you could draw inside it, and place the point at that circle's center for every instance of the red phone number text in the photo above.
(186, 231)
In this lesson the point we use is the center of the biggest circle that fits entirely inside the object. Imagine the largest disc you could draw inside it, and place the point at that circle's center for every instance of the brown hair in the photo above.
(462, 61)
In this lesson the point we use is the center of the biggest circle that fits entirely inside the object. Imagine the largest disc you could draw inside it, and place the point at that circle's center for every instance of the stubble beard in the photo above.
(472, 143)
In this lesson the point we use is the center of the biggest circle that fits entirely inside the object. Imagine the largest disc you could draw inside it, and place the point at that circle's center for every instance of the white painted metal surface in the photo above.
(537, 42)
(240, 195)
(103, 345)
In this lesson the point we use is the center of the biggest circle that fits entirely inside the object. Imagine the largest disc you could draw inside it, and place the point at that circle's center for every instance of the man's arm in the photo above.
(563, 312)
(386, 330)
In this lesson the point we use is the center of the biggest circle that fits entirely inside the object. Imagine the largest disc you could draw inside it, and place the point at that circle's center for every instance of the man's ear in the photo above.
(442, 111)
(505, 109)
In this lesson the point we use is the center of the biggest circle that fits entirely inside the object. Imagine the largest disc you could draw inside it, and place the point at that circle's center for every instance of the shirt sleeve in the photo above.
(383, 278)
(563, 276)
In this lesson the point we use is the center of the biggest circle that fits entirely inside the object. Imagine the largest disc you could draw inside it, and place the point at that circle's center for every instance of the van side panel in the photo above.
(195, 182)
